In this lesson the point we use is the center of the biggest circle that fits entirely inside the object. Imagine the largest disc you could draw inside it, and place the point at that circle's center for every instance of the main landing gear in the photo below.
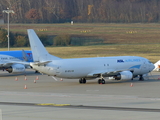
(101, 81)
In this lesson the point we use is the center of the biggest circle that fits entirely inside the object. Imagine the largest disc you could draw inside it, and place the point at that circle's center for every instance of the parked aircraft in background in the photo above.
(157, 66)
(15, 61)
(118, 68)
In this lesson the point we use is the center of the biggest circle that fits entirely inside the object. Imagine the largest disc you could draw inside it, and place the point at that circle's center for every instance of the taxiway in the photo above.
(48, 99)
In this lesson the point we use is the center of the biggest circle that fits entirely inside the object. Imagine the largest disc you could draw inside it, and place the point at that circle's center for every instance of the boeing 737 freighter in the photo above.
(117, 68)
(15, 61)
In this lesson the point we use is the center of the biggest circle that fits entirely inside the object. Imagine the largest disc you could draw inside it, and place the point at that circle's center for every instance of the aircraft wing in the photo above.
(105, 73)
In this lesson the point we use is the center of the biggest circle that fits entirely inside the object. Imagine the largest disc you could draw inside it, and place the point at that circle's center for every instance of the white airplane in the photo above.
(15, 61)
(157, 66)
(117, 68)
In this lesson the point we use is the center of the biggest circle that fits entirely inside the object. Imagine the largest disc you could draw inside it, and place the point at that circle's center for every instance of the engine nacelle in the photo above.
(125, 75)
(16, 68)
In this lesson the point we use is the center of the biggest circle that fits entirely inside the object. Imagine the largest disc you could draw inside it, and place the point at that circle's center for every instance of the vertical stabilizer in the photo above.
(24, 56)
(157, 66)
(38, 50)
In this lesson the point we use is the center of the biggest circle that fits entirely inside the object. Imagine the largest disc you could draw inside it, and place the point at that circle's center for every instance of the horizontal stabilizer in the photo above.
(157, 66)
(40, 63)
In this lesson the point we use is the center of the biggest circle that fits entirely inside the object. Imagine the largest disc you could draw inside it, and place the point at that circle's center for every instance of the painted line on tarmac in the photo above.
(82, 107)
(52, 104)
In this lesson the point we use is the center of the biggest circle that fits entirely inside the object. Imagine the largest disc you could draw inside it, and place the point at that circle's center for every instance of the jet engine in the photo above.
(125, 75)
(16, 68)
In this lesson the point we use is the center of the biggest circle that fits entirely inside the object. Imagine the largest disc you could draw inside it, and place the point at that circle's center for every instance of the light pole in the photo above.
(8, 11)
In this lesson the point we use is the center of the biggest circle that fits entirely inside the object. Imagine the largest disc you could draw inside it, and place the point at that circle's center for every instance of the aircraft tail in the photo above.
(24, 56)
(157, 66)
(38, 50)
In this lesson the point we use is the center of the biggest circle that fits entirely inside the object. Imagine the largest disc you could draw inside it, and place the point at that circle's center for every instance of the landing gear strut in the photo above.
(82, 80)
(141, 78)
(101, 80)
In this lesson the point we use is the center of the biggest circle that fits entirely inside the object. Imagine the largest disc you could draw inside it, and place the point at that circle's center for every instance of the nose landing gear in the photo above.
(82, 80)
(141, 78)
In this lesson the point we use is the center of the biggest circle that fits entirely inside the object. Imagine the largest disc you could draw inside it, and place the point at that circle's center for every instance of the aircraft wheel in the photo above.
(103, 81)
(99, 81)
(141, 78)
(82, 80)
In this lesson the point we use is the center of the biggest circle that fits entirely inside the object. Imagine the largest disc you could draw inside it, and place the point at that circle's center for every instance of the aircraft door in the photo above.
(58, 70)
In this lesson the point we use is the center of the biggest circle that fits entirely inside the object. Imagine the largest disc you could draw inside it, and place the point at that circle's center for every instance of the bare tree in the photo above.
(33, 15)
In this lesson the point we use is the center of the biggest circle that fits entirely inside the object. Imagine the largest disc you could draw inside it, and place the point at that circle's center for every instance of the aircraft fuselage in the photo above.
(82, 67)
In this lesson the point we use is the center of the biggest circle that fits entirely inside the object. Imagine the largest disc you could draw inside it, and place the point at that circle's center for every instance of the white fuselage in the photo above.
(83, 67)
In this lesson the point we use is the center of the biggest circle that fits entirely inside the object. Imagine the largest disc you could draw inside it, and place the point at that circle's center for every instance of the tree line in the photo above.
(21, 40)
(60, 11)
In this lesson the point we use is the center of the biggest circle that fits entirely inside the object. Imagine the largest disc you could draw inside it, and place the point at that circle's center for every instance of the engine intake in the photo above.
(16, 68)
(125, 75)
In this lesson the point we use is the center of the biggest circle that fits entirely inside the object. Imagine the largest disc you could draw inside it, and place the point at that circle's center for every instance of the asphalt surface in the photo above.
(47, 99)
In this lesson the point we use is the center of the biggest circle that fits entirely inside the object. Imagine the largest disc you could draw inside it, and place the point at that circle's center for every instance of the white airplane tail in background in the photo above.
(38, 50)
(157, 66)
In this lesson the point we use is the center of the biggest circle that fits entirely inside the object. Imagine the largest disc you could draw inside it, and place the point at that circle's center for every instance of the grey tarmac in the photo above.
(66, 99)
